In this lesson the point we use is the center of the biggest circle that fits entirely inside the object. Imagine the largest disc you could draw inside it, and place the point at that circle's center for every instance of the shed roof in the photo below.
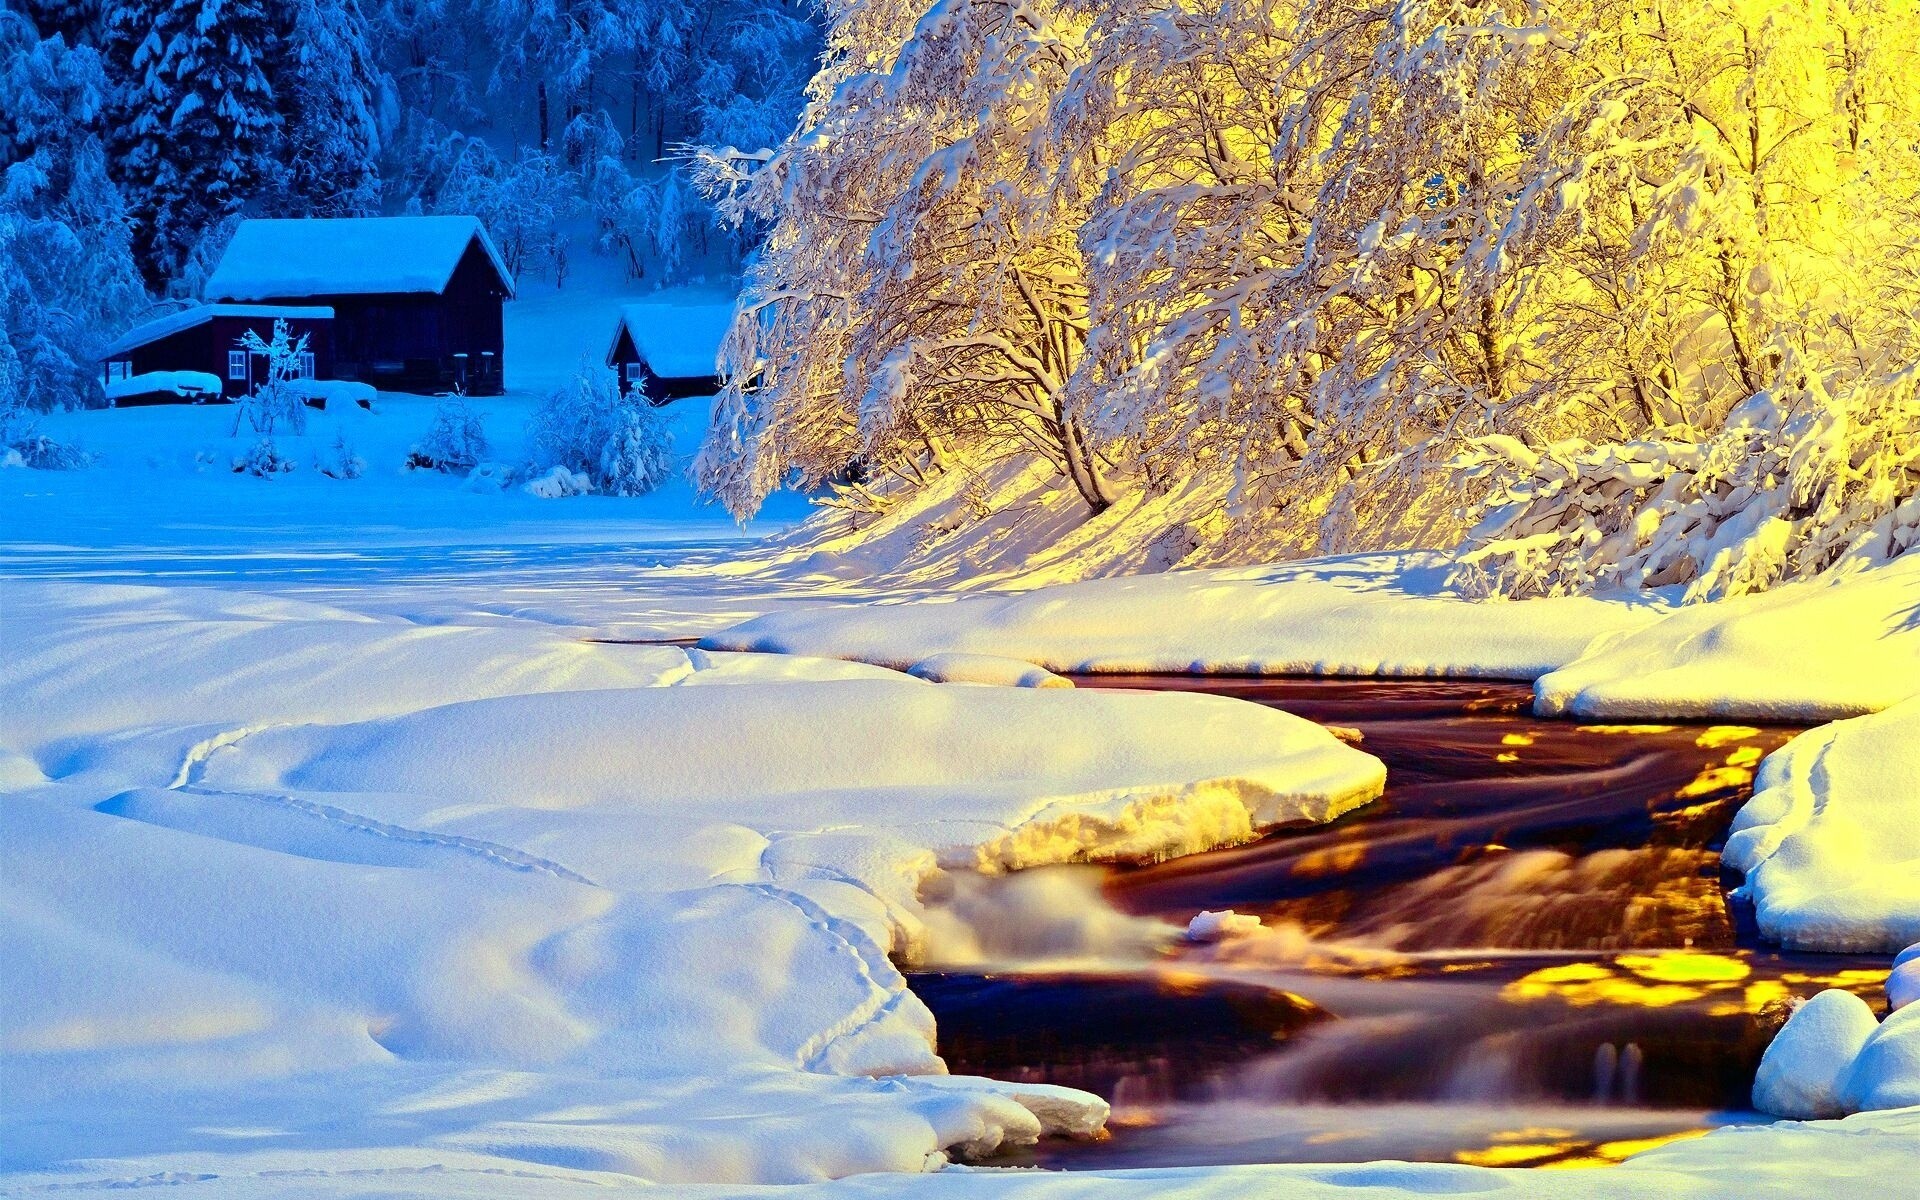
(347, 256)
(200, 314)
(676, 341)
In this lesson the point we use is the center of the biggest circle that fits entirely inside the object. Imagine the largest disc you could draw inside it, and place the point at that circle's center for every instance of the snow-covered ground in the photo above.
(348, 850)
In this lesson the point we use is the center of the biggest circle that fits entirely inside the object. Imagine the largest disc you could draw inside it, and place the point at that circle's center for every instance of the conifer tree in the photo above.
(197, 121)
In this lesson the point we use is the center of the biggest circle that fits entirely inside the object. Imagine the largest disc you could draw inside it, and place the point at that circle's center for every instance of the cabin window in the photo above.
(237, 364)
(118, 369)
(633, 372)
(306, 365)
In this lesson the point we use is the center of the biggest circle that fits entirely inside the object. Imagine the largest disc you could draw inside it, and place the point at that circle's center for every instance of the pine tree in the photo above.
(197, 123)
(332, 94)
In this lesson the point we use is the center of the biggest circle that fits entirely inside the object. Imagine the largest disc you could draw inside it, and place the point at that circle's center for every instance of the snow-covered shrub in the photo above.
(1795, 482)
(454, 442)
(490, 477)
(276, 405)
(41, 453)
(620, 443)
(340, 461)
(264, 459)
(557, 483)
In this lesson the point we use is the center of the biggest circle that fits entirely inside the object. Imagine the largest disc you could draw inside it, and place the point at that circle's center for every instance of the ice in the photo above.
(1220, 926)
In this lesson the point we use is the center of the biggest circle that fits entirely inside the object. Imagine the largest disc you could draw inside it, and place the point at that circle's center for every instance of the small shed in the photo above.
(204, 340)
(417, 301)
(669, 351)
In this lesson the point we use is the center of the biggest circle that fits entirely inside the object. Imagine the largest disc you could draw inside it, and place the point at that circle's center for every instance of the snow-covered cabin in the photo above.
(669, 350)
(416, 300)
(169, 359)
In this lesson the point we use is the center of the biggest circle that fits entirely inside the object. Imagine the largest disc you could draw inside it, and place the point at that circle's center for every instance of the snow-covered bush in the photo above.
(620, 443)
(42, 453)
(264, 459)
(557, 483)
(1794, 483)
(454, 442)
(340, 461)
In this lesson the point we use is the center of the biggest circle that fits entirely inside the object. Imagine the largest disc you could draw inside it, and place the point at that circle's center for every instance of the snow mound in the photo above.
(1813, 650)
(1365, 615)
(985, 668)
(1903, 983)
(185, 384)
(1829, 843)
(557, 484)
(1804, 1070)
(1886, 1073)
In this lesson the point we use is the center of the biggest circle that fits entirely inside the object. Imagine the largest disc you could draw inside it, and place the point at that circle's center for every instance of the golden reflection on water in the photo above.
(1556, 1148)
(1661, 980)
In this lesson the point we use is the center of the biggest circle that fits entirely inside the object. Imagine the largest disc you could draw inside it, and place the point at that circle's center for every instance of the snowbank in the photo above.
(1830, 843)
(987, 669)
(489, 898)
(1385, 614)
(1804, 1072)
(1816, 650)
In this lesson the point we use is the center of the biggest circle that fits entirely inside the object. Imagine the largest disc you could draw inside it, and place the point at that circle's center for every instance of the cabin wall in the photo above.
(204, 347)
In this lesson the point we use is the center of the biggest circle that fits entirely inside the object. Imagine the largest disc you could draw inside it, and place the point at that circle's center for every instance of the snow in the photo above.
(200, 314)
(1208, 926)
(597, 848)
(678, 341)
(1811, 650)
(346, 256)
(1806, 1067)
(987, 669)
(1903, 983)
(1829, 843)
(153, 383)
(1382, 614)
(335, 393)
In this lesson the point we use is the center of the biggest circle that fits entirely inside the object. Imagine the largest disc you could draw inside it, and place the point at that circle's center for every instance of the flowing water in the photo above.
(1522, 954)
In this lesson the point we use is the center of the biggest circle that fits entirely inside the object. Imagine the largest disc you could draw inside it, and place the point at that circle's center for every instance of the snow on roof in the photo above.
(347, 256)
(676, 341)
(187, 318)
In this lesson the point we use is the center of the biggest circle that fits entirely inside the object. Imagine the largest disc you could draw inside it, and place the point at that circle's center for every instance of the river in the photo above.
(1523, 954)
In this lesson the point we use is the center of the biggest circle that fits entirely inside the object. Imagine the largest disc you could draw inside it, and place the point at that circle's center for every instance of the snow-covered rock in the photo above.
(1886, 1071)
(1806, 1070)
(985, 668)
(1209, 926)
(1903, 982)
(1829, 843)
(557, 483)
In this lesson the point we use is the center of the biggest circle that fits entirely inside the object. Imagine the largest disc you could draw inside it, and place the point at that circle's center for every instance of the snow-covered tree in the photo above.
(921, 291)
(274, 405)
(334, 96)
(621, 443)
(66, 267)
(197, 120)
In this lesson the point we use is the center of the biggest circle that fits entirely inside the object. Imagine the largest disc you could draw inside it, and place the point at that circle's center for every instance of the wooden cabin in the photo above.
(204, 341)
(416, 301)
(669, 351)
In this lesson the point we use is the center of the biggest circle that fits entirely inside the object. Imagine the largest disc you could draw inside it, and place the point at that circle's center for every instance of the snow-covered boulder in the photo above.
(557, 484)
(1805, 1072)
(1886, 1071)
(1212, 926)
(985, 668)
(1829, 841)
(1903, 984)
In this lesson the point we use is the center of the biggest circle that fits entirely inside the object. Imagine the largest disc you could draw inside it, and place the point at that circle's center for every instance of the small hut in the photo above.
(195, 353)
(669, 351)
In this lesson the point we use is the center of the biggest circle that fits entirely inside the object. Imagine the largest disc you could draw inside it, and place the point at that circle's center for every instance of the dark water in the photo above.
(1522, 954)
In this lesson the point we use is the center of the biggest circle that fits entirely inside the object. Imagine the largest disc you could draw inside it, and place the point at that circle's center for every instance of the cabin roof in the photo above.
(348, 256)
(676, 341)
(200, 314)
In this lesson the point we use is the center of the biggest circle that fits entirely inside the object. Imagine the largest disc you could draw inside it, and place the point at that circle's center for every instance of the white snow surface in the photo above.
(1381, 614)
(1806, 1067)
(152, 383)
(1830, 842)
(493, 897)
(346, 256)
(985, 668)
